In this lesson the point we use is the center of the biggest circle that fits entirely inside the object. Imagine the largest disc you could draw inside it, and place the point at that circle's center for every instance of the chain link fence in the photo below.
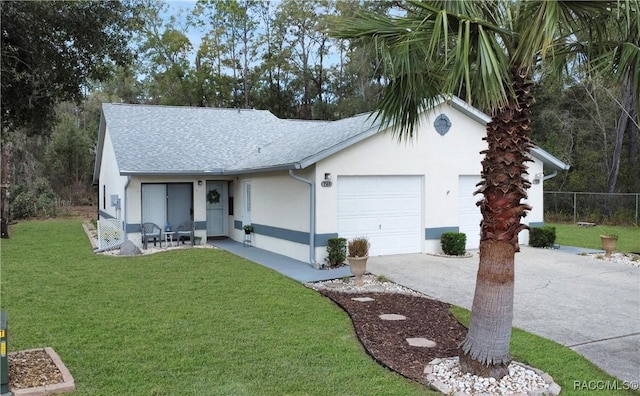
(600, 208)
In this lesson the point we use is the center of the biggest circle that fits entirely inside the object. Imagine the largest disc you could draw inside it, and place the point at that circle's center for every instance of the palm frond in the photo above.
(418, 48)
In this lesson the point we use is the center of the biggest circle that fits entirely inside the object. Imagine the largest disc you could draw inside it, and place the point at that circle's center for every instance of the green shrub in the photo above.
(23, 206)
(336, 251)
(542, 236)
(453, 243)
(38, 201)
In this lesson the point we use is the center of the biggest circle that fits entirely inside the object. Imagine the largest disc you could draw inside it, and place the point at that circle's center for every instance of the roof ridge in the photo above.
(184, 107)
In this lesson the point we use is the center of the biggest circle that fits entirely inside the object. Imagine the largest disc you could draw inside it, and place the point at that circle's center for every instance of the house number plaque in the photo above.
(326, 183)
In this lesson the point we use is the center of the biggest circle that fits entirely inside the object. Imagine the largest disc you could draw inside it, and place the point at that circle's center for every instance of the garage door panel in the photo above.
(385, 209)
(469, 216)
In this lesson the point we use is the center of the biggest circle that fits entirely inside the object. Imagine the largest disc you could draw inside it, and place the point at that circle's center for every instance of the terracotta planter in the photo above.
(358, 267)
(609, 243)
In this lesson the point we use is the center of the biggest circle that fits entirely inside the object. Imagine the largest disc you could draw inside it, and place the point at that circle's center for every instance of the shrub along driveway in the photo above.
(589, 305)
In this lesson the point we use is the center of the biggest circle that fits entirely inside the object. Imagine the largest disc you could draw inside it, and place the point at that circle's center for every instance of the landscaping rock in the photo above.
(128, 248)
(392, 317)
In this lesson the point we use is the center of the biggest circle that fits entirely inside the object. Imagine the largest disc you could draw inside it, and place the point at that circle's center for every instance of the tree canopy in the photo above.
(51, 50)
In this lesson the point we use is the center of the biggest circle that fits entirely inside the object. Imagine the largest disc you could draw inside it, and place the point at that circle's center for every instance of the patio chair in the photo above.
(151, 231)
(185, 230)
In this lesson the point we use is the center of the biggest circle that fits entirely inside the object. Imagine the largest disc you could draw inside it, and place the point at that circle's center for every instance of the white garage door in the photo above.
(469, 216)
(386, 209)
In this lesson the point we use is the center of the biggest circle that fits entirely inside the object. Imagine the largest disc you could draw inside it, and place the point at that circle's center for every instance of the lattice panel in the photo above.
(110, 234)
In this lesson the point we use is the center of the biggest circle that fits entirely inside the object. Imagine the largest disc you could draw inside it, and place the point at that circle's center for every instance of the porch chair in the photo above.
(185, 230)
(151, 231)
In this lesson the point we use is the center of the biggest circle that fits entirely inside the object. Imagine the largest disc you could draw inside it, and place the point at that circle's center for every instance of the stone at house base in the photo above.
(362, 299)
(421, 342)
(445, 376)
(392, 317)
(128, 248)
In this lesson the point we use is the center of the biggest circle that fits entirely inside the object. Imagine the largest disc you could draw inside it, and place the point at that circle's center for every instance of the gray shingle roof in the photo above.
(196, 140)
(192, 140)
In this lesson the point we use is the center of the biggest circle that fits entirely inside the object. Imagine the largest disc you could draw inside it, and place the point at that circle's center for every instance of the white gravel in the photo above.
(372, 284)
(152, 250)
(622, 258)
(447, 377)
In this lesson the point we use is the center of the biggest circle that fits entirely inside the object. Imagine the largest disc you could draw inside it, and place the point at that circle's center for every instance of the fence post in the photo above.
(637, 199)
(575, 208)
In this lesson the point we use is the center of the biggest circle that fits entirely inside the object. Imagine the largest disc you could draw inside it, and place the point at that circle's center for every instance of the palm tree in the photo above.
(487, 52)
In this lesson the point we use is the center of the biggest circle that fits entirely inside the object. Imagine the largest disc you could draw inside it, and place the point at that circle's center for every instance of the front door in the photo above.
(215, 208)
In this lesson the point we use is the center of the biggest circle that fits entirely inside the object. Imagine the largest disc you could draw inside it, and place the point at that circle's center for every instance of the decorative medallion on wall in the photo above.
(442, 124)
(213, 196)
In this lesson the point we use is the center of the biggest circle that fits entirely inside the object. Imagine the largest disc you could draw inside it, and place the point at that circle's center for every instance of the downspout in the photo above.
(312, 220)
(122, 206)
(550, 175)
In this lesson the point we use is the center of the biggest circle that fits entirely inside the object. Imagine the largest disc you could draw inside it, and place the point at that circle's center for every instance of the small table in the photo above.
(168, 238)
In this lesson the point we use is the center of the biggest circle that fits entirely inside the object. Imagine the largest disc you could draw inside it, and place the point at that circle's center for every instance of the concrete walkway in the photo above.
(298, 270)
(589, 305)
(592, 306)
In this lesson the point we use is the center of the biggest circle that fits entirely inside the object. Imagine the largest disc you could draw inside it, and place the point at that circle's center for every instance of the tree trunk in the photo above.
(7, 148)
(485, 350)
(627, 102)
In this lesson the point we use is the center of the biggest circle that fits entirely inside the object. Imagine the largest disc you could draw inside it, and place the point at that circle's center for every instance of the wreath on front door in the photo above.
(213, 196)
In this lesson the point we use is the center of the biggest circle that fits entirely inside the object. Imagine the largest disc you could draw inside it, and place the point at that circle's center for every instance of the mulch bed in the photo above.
(30, 369)
(385, 340)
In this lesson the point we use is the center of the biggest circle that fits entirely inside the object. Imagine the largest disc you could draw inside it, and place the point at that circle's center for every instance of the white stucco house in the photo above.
(299, 183)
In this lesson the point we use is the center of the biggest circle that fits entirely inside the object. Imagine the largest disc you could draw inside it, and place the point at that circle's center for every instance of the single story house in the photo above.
(297, 182)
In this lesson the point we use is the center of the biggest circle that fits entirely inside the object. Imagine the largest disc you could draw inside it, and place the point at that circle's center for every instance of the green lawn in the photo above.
(189, 322)
(570, 234)
(200, 322)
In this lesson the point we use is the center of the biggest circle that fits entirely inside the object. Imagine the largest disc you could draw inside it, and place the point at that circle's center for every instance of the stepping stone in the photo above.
(421, 342)
(392, 317)
(362, 299)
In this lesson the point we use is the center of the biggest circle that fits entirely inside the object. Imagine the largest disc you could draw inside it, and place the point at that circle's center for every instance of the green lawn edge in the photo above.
(575, 374)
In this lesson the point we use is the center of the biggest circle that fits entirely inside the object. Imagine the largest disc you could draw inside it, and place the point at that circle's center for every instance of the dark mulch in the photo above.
(385, 340)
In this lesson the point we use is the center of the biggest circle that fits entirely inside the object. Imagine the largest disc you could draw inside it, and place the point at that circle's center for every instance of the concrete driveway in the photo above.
(589, 305)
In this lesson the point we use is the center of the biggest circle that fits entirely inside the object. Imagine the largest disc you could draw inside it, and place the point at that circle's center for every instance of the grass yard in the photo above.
(202, 322)
(570, 234)
(188, 322)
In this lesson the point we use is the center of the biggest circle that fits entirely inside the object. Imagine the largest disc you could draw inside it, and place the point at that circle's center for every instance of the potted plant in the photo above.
(609, 244)
(358, 249)
(248, 229)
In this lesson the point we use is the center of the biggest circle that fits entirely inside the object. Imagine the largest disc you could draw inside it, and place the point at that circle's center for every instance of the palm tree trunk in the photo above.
(485, 351)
